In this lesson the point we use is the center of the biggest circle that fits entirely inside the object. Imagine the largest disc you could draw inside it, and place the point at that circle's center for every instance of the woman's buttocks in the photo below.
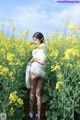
(37, 68)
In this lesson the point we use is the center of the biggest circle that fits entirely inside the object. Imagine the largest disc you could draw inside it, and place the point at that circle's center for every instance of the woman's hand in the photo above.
(40, 61)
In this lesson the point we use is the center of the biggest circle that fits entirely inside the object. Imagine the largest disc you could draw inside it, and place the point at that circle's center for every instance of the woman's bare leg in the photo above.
(38, 95)
(32, 91)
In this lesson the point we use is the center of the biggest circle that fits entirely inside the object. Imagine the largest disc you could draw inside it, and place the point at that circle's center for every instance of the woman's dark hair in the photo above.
(39, 36)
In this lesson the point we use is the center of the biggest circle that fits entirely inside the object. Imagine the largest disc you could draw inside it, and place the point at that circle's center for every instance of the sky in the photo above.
(39, 15)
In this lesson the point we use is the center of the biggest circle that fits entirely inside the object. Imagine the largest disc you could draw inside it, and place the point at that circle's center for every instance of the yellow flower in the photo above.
(10, 56)
(2, 50)
(54, 53)
(58, 84)
(57, 67)
(1, 67)
(73, 27)
(66, 23)
(26, 32)
(4, 70)
(67, 54)
(13, 97)
(68, 38)
(12, 111)
(54, 68)
(78, 64)
(71, 52)
(20, 101)
(61, 37)
(69, 65)
(11, 74)
(60, 75)
(2, 37)
(75, 52)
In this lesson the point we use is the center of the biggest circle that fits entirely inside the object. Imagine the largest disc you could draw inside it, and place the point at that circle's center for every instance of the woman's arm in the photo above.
(40, 61)
(37, 60)
(31, 61)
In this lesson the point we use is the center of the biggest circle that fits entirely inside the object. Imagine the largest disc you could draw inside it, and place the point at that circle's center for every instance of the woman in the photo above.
(36, 72)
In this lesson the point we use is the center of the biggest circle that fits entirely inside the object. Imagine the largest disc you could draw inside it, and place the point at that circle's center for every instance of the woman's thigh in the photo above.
(33, 80)
(39, 85)
(33, 75)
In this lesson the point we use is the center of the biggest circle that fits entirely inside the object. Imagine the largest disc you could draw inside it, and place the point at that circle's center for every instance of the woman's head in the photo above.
(38, 38)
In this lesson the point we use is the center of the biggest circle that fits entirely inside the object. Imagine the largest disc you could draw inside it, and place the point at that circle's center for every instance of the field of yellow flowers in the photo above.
(61, 89)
